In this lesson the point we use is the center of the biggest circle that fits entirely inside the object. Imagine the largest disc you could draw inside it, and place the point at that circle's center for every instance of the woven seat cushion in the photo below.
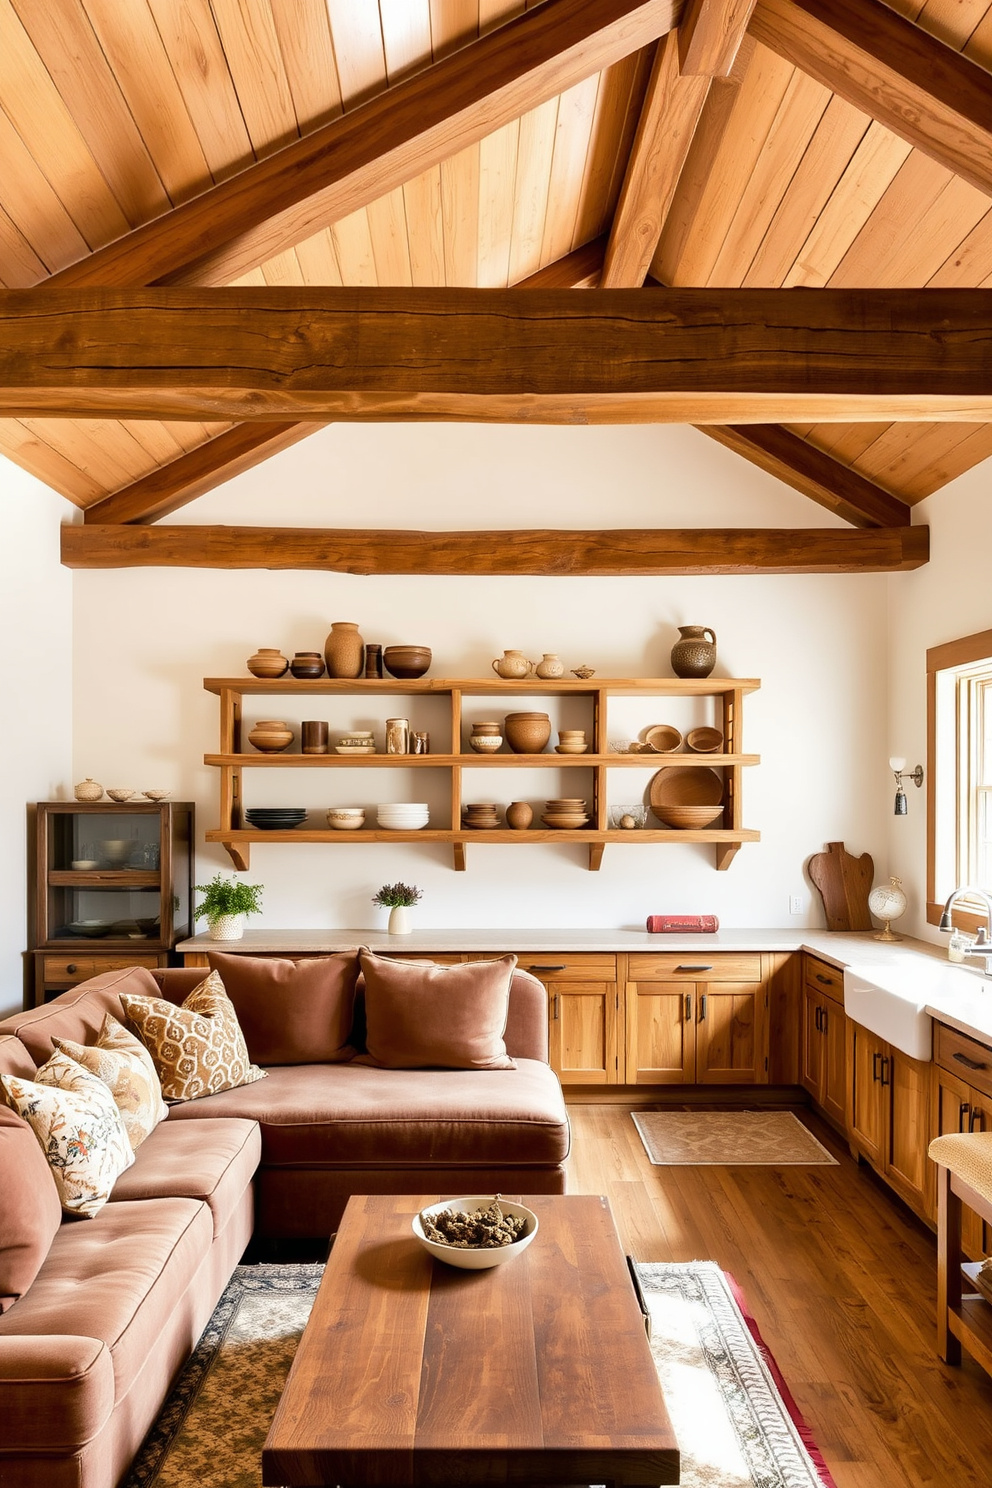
(969, 1157)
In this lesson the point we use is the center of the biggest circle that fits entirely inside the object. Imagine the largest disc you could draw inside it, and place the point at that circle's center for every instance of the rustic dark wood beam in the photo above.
(917, 86)
(200, 470)
(377, 146)
(686, 356)
(547, 552)
(817, 475)
(579, 269)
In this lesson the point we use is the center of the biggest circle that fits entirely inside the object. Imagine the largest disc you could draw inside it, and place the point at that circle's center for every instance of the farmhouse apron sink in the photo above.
(890, 1000)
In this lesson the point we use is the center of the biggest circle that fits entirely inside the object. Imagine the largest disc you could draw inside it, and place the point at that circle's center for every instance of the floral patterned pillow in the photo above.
(125, 1066)
(198, 1049)
(81, 1132)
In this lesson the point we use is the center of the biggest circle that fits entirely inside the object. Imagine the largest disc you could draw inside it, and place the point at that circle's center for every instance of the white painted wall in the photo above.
(144, 639)
(36, 748)
(951, 596)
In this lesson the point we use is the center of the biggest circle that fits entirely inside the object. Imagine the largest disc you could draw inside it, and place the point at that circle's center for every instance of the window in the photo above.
(959, 806)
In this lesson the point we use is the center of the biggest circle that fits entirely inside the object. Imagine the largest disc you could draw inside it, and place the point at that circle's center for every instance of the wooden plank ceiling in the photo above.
(764, 144)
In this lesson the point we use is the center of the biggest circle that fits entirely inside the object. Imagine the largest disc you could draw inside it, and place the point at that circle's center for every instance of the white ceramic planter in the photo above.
(399, 920)
(227, 927)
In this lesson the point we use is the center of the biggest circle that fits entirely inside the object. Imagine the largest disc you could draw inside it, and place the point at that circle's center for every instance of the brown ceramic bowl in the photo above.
(406, 662)
(527, 735)
(689, 816)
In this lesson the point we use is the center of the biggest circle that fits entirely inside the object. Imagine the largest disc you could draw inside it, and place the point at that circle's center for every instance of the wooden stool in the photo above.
(964, 1176)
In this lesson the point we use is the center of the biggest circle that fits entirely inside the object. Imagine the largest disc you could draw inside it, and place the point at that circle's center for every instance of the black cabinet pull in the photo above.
(886, 1064)
(688, 1006)
(702, 1007)
(963, 1111)
(695, 968)
(562, 967)
(874, 1065)
(818, 1020)
(72, 966)
(827, 981)
(969, 1063)
(823, 1021)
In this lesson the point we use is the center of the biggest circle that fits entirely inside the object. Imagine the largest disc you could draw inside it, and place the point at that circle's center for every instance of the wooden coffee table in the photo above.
(534, 1372)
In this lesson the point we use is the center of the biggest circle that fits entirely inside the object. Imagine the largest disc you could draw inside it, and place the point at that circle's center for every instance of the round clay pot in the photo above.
(88, 790)
(406, 662)
(270, 735)
(550, 666)
(268, 662)
(694, 654)
(307, 664)
(519, 815)
(344, 650)
(527, 734)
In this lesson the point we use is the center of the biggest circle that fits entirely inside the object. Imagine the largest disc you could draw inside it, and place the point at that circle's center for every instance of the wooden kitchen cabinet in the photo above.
(696, 1020)
(888, 1114)
(963, 1103)
(823, 1039)
(584, 1015)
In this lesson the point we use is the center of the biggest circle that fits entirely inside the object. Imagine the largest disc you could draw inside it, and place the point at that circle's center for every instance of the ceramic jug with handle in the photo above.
(694, 653)
(513, 665)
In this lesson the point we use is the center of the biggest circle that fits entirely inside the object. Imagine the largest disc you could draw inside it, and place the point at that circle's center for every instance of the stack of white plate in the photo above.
(403, 816)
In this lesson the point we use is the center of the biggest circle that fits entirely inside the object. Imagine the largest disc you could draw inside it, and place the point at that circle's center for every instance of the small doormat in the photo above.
(727, 1138)
(736, 1422)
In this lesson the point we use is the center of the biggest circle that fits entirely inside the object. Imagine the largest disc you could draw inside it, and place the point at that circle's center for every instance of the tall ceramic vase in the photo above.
(227, 927)
(399, 920)
(344, 650)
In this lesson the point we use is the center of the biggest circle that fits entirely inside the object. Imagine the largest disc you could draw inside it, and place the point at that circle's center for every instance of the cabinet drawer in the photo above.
(552, 966)
(825, 979)
(964, 1057)
(696, 966)
(78, 968)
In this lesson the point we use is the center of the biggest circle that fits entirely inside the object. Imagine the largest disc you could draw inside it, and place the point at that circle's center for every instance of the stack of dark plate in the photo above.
(276, 818)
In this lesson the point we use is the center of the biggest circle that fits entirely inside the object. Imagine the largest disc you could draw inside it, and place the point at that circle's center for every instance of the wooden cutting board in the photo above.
(844, 883)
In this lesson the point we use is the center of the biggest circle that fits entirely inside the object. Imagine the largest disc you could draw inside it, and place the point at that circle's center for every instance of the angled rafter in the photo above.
(709, 36)
(917, 86)
(200, 470)
(553, 552)
(699, 356)
(361, 156)
(817, 475)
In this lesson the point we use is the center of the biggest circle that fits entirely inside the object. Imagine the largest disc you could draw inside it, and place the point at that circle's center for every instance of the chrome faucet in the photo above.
(981, 950)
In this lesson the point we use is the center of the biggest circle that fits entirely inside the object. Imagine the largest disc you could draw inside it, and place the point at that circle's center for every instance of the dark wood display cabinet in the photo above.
(114, 888)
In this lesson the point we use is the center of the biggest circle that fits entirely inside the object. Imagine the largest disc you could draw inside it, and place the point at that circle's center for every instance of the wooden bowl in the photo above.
(704, 740)
(688, 816)
(664, 738)
(685, 785)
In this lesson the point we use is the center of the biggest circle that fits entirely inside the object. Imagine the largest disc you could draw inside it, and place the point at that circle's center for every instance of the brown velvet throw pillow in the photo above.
(30, 1211)
(292, 1012)
(423, 1016)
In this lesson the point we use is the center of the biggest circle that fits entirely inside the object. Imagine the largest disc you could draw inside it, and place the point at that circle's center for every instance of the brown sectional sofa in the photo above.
(88, 1353)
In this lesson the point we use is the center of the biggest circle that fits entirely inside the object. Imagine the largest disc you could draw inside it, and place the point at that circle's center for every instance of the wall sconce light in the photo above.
(897, 765)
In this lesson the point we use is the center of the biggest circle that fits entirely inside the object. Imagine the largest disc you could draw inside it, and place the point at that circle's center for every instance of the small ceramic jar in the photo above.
(486, 737)
(307, 665)
(550, 667)
(268, 662)
(519, 815)
(271, 735)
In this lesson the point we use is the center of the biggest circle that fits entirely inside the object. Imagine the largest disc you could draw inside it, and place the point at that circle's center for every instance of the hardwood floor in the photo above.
(842, 1280)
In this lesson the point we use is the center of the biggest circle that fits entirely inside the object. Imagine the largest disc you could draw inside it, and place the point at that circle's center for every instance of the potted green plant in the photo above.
(226, 902)
(398, 898)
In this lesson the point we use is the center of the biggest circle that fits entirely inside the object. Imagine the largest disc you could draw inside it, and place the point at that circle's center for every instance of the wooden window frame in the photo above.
(967, 651)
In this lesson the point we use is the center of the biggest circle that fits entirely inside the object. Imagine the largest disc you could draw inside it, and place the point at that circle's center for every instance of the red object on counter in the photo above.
(683, 924)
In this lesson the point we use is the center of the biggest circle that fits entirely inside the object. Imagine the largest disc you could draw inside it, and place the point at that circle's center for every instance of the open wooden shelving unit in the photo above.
(729, 693)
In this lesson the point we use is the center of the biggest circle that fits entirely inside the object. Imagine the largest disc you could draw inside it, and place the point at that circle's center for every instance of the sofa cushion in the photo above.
(14, 1058)
(114, 1281)
(79, 1128)
(198, 1049)
(78, 1013)
(421, 1015)
(213, 1160)
(30, 1212)
(125, 1066)
(332, 1115)
(292, 1012)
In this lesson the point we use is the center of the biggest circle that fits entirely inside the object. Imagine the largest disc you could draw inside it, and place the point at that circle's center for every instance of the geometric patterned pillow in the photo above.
(73, 1116)
(198, 1049)
(124, 1064)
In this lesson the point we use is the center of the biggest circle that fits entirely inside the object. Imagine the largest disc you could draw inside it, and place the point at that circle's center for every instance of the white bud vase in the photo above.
(227, 927)
(399, 920)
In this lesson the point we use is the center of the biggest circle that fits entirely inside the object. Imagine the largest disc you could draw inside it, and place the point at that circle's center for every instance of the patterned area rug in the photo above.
(726, 1138)
(735, 1426)
(736, 1423)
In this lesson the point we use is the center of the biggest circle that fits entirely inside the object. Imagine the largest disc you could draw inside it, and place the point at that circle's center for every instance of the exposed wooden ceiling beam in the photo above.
(199, 470)
(379, 145)
(579, 269)
(709, 36)
(549, 552)
(917, 86)
(686, 356)
(817, 475)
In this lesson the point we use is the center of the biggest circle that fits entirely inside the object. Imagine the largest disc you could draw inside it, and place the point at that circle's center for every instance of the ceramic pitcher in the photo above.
(513, 664)
(694, 653)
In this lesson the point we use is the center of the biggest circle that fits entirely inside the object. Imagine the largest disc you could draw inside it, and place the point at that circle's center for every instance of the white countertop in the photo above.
(962, 995)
